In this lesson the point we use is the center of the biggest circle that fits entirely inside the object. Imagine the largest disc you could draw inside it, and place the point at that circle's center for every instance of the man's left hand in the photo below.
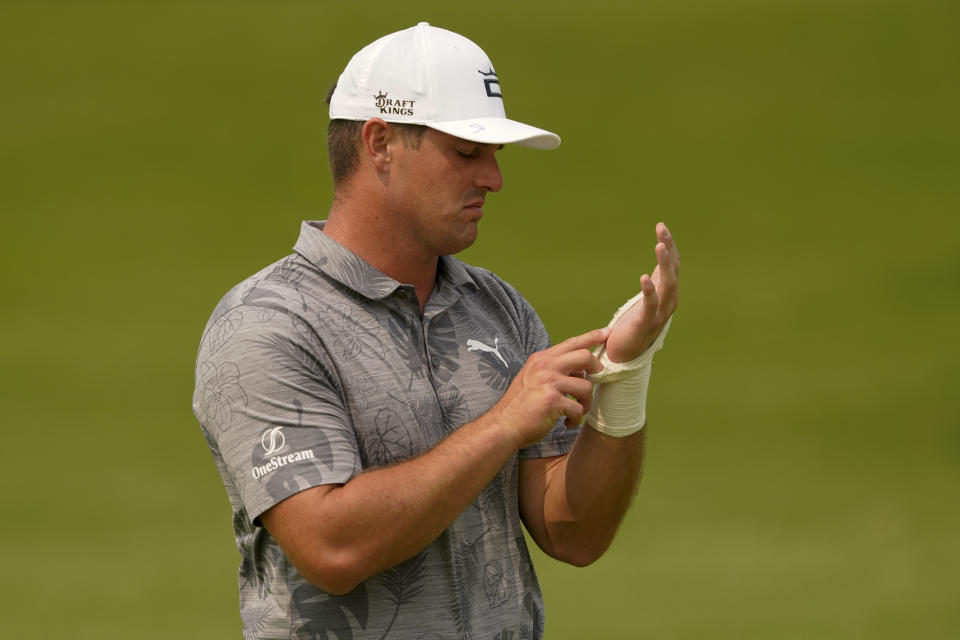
(636, 330)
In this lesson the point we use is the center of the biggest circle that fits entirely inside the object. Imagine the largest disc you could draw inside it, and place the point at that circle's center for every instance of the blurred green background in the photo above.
(803, 470)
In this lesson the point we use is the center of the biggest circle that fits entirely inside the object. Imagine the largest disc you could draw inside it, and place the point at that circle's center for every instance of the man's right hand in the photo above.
(339, 535)
(550, 385)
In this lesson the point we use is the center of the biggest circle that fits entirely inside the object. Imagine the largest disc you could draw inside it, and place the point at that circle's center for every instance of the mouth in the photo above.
(475, 205)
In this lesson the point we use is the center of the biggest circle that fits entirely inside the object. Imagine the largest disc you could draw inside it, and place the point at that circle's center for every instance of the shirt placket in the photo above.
(437, 304)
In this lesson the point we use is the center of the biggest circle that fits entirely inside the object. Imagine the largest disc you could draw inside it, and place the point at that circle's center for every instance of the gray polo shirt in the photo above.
(320, 367)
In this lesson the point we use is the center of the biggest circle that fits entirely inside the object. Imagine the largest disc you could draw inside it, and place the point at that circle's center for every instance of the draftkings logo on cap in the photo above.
(390, 106)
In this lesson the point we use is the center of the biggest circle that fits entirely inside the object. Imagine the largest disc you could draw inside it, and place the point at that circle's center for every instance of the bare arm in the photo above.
(338, 536)
(573, 504)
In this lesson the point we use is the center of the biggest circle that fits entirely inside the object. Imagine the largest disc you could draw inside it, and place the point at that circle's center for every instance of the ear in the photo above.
(378, 140)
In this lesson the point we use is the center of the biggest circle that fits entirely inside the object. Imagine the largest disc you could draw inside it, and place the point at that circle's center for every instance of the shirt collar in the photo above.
(455, 272)
(344, 266)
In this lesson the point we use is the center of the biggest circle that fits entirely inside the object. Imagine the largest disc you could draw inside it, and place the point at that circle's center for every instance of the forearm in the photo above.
(588, 492)
(338, 536)
(387, 515)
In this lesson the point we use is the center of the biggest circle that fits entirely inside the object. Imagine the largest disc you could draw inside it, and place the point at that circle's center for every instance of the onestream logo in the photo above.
(273, 441)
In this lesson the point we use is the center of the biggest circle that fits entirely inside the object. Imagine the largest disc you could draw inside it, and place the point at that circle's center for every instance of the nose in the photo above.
(488, 175)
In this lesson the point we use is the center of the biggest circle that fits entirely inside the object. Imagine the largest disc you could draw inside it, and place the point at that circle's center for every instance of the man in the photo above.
(383, 415)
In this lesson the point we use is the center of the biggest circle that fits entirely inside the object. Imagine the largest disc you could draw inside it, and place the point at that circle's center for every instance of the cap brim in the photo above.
(498, 131)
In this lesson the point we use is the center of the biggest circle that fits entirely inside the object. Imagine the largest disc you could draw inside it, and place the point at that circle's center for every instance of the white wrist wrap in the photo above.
(620, 391)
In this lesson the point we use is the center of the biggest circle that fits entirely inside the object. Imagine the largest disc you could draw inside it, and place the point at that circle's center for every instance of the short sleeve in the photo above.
(270, 404)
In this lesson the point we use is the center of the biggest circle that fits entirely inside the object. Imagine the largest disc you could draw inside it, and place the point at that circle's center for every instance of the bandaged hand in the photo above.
(620, 392)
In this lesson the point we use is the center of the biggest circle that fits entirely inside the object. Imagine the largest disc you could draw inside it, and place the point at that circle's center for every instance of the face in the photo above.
(437, 191)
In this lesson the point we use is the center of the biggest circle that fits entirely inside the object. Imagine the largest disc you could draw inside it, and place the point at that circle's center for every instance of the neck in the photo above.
(368, 233)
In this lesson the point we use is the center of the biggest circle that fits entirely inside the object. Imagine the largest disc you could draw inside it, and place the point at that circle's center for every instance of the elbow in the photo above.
(579, 551)
(581, 556)
(335, 574)
(582, 560)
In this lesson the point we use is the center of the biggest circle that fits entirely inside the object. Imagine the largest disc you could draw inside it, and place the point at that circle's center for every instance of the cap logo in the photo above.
(389, 106)
(491, 81)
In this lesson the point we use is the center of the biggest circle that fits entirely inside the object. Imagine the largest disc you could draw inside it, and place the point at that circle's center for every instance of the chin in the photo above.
(465, 240)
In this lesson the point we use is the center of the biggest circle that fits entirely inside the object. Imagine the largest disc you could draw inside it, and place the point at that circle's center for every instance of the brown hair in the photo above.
(344, 137)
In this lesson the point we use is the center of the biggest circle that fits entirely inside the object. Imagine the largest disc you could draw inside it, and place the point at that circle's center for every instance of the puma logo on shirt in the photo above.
(476, 345)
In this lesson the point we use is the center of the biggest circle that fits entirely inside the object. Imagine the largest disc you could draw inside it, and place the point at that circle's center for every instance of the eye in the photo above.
(472, 153)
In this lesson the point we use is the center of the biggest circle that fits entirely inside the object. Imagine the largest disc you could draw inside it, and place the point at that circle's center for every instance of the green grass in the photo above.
(804, 445)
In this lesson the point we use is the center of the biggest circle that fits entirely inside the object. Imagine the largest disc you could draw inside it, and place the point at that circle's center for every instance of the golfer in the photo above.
(384, 416)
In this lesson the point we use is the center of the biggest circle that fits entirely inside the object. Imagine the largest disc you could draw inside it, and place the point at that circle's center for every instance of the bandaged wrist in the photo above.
(620, 391)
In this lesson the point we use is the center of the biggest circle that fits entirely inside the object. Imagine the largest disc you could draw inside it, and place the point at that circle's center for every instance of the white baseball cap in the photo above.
(434, 77)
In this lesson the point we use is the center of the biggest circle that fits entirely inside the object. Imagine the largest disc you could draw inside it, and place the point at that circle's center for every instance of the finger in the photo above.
(585, 397)
(650, 298)
(664, 258)
(580, 389)
(663, 233)
(666, 237)
(594, 366)
(573, 411)
(587, 403)
(581, 359)
(583, 341)
(667, 282)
